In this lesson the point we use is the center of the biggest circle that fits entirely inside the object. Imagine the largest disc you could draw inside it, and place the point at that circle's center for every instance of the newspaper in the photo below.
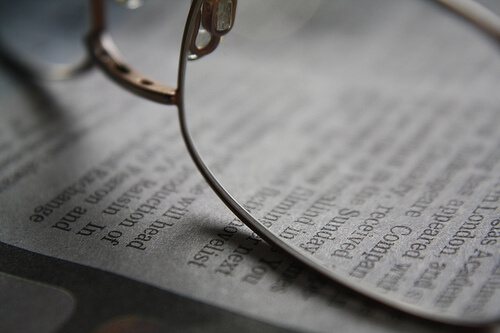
(398, 195)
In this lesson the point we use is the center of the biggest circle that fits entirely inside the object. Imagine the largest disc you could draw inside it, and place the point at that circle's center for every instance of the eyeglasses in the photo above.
(344, 134)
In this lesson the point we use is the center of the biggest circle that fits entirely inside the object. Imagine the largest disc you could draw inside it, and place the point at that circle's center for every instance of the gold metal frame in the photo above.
(106, 55)
(203, 15)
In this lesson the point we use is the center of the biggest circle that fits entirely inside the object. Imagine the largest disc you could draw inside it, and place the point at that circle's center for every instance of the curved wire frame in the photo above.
(470, 10)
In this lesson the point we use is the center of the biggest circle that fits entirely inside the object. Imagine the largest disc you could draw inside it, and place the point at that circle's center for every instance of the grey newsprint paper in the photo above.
(94, 175)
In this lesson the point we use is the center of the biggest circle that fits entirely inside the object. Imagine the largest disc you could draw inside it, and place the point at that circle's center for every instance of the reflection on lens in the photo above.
(43, 32)
(45, 39)
(271, 19)
(362, 137)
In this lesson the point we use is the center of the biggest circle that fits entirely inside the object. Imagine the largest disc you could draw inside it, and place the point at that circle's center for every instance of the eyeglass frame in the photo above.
(203, 16)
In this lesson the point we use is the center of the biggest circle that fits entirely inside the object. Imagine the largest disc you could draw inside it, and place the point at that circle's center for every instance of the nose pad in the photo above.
(214, 20)
(218, 16)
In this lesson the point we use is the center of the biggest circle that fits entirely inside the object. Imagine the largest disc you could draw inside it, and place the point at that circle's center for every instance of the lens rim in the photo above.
(310, 261)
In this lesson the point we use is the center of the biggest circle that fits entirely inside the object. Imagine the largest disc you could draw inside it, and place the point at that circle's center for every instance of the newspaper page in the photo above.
(94, 175)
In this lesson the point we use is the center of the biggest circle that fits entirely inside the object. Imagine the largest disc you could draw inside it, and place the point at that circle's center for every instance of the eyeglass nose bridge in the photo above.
(106, 55)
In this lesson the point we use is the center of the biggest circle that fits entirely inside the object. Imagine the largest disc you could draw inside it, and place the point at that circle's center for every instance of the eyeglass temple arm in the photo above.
(107, 57)
(476, 14)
